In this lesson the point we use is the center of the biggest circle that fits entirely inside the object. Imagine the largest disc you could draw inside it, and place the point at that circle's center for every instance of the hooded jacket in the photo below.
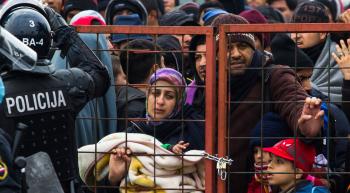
(324, 79)
(244, 116)
(102, 107)
(173, 56)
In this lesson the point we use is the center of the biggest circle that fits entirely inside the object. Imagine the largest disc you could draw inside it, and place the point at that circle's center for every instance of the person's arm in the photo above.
(119, 163)
(78, 54)
(302, 114)
(180, 147)
(342, 57)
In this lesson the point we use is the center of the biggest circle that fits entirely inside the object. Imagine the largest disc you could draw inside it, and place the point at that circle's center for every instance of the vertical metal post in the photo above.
(210, 110)
(222, 100)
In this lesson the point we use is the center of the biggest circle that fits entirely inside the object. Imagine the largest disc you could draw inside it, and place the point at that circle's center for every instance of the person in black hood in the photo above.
(197, 61)
(172, 48)
(72, 7)
(125, 7)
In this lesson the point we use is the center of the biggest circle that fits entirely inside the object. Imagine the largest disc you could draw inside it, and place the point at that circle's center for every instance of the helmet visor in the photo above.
(15, 53)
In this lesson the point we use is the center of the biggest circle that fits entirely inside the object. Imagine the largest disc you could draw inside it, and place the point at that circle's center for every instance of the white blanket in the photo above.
(146, 172)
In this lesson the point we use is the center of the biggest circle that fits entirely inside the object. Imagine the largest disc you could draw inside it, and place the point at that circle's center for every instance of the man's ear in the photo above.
(299, 173)
(153, 14)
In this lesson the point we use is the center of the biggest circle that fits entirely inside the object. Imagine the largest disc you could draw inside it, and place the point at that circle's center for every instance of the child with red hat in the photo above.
(291, 161)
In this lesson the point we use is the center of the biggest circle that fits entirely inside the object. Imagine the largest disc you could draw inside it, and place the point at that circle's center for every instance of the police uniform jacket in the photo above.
(49, 103)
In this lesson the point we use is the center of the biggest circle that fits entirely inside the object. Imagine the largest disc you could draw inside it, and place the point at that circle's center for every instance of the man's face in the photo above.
(240, 56)
(168, 5)
(281, 6)
(185, 41)
(305, 77)
(201, 61)
(57, 5)
(256, 3)
(122, 12)
(308, 40)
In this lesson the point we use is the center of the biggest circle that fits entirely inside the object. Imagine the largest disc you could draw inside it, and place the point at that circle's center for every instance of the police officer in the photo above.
(9, 178)
(48, 101)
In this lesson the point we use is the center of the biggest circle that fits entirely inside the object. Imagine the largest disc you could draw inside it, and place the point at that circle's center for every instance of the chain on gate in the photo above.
(221, 164)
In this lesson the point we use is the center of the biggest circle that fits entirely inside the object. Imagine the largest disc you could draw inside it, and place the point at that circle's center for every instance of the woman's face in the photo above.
(161, 100)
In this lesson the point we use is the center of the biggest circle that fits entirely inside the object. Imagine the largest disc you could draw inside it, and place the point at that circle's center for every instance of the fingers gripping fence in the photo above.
(210, 109)
(230, 136)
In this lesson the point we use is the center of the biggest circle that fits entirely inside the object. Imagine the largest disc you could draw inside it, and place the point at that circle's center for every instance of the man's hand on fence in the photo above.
(342, 57)
(311, 119)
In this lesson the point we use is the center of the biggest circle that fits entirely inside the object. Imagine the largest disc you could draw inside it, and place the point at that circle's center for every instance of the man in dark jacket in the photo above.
(138, 64)
(45, 100)
(247, 98)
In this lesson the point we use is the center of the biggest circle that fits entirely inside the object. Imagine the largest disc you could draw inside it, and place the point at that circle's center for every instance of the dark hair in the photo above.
(203, 7)
(161, 7)
(195, 42)
(291, 4)
(137, 61)
(151, 5)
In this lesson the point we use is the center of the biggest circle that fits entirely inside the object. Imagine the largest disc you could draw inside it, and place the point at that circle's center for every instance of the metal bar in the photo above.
(222, 104)
(210, 109)
(174, 30)
(290, 27)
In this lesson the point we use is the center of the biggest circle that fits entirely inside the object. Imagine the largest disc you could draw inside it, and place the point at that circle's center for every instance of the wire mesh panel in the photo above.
(145, 153)
(261, 101)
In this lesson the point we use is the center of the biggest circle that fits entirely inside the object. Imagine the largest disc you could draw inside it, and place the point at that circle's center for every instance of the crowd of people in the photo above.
(288, 109)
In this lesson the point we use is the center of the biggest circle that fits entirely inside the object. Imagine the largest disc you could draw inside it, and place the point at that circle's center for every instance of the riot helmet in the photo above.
(27, 21)
(31, 28)
(14, 55)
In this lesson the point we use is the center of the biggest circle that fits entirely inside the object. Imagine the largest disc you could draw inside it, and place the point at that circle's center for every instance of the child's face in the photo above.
(261, 157)
(281, 173)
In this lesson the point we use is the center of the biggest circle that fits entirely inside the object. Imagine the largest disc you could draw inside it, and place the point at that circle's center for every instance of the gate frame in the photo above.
(210, 87)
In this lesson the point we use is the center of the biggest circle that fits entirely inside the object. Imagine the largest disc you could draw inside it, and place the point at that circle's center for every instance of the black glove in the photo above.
(56, 20)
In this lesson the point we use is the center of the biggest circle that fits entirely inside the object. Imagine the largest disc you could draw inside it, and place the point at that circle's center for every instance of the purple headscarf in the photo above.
(175, 78)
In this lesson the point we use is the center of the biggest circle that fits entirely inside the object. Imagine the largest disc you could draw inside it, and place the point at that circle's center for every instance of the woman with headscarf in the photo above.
(165, 114)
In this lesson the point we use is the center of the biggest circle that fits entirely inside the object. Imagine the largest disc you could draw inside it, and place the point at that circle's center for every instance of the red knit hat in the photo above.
(255, 17)
(301, 154)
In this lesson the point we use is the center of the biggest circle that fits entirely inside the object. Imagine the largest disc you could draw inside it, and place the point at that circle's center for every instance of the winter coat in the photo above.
(304, 186)
(282, 86)
(131, 103)
(171, 132)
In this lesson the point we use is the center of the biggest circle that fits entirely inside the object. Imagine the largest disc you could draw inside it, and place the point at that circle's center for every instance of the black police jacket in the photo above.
(49, 103)
(9, 181)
